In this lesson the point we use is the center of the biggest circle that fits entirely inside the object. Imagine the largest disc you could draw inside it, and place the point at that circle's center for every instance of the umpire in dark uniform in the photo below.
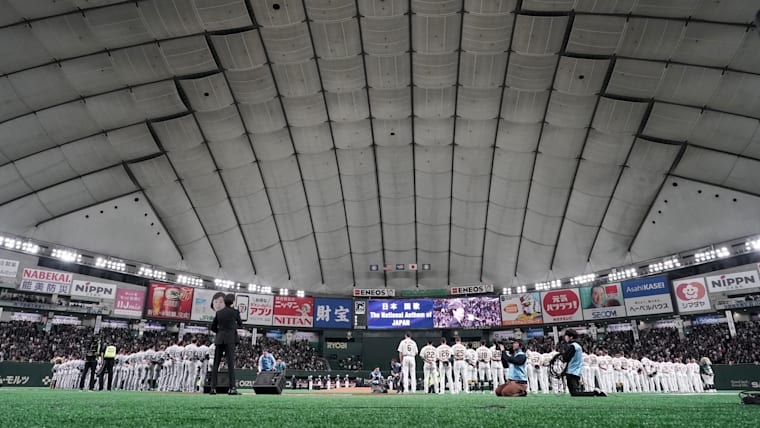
(225, 325)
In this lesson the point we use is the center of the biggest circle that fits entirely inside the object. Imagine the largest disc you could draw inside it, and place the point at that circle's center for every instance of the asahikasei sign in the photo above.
(647, 296)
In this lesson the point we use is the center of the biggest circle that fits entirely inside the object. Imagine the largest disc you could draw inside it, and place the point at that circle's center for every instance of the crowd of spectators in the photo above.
(478, 312)
(352, 362)
(33, 299)
(29, 342)
(713, 341)
(27, 298)
(299, 355)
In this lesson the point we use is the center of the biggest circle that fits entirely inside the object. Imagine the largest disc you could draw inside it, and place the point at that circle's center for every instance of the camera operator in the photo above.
(517, 378)
(573, 355)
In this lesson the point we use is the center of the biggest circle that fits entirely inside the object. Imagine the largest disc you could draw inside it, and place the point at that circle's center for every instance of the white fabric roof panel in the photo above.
(336, 39)
(388, 72)
(20, 49)
(44, 169)
(10, 104)
(221, 125)
(42, 86)
(738, 93)
(727, 132)
(721, 169)
(12, 185)
(319, 141)
(744, 59)
(595, 34)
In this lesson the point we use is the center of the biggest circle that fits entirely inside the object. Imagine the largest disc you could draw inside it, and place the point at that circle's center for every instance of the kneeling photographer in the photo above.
(517, 378)
(573, 355)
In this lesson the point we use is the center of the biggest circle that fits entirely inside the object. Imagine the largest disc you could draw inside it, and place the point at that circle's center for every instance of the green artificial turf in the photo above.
(26, 407)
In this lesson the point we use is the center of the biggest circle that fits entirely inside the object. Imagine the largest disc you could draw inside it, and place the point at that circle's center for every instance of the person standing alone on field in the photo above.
(109, 355)
(90, 364)
(407, 350)
(225, 325)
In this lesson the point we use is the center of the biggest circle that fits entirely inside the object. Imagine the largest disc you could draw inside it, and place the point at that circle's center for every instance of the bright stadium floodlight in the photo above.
(66, 255)
(300, 293)
(149, 272)
(619, 275)
(583, 279)
(707, 255)
(752, 245)
(30, 247)
(224, 283)
(192, 281)
(548, 285)
(11, 243)
(284, 292)
(266, 290)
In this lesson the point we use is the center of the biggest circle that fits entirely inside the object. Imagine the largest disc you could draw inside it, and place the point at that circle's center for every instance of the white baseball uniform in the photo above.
(408, 348)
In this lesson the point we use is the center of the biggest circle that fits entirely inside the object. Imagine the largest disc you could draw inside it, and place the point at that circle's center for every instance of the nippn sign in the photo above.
(733, 281)
(95, 290)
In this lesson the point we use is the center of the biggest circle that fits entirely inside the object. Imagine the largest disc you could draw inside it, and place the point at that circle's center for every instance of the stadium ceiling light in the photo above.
(300, 293)
(30, 247)
(266, 290)
(618, 275)
(548, 285)
(64, 255)
(110, 264)
(149, 272)
(284, 292)
(189, 280)
(583, 279)
(224, 283)
(753, 244)
(11, 244)
(706, 256)
(665, 265)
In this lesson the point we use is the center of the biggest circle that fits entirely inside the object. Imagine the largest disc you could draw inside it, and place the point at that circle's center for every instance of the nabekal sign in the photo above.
(45, 281)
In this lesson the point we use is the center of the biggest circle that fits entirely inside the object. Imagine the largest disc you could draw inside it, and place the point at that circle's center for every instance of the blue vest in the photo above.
(517, 372)
(575, 364)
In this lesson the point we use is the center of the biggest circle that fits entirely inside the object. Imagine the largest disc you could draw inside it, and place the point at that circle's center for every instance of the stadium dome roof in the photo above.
(297, 142)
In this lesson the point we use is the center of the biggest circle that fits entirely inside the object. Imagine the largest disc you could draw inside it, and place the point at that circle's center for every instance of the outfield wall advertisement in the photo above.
(561, 306)
(602, 302)
(259, 308)
(129, 303)
(691, 295)
(333, 313)
(647, 296)
(205, 304)
(735, 281)
(521, 309)
(293, 311)
(170, 302)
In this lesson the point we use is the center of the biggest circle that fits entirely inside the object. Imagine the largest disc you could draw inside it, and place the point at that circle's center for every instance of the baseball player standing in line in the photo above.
(497, 368)
(460, 367)
(407, 350)
(429, 355)
(484, 366)
(444, 366)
